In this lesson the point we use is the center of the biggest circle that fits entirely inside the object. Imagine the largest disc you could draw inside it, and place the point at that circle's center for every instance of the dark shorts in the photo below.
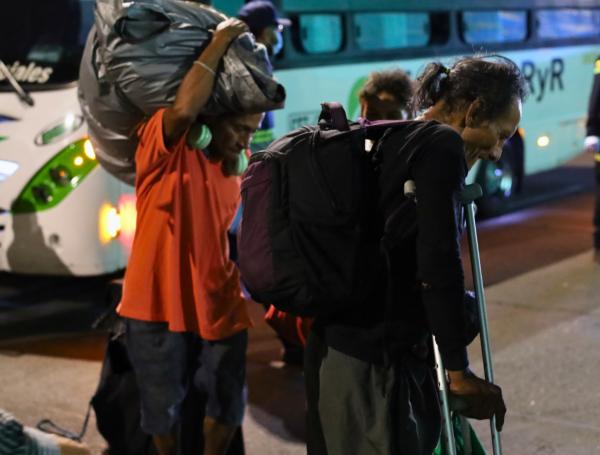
(167, 363)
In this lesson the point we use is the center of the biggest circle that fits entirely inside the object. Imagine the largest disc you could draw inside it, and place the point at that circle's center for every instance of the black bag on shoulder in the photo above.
(309, 237)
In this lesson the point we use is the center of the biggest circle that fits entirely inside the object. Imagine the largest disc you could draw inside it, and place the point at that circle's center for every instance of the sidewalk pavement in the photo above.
(545, 332)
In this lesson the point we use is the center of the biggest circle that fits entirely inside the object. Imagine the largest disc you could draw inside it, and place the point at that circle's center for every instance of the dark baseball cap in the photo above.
(259, 14)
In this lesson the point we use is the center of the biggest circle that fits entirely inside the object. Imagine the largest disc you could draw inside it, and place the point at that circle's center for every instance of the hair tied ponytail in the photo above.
(441, 79)
(444, 70)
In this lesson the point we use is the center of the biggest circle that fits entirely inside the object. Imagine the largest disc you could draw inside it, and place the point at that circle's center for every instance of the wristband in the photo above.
(205, 66)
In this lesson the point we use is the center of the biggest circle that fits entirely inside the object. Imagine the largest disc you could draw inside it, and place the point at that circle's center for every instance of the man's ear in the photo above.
(363, 106)
(263, 36)
(472, 113)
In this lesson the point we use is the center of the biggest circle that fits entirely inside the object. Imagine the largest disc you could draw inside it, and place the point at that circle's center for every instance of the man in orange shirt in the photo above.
(186, 320)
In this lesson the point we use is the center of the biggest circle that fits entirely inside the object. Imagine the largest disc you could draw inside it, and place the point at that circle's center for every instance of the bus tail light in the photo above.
(57, 178)
(118, 221)
(128, 219)
(109, 223)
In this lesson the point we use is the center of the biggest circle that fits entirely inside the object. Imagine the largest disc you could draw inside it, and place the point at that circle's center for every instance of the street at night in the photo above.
(245, 227)
(540, 286)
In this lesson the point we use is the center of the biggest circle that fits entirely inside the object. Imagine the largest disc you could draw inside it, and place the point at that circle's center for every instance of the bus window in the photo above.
(568, 23)
(87, 19)
(392, 30)
(43, 41)
(320, 33)
(494, 26)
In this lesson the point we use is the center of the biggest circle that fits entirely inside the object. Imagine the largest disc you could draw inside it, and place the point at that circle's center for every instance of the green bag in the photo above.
(476, 448)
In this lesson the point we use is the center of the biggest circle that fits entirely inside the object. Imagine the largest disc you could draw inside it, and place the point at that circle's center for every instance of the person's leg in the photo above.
(415, 411)
(222, 378)
(314, 353)
(217, 436)
(166, 444)
(159, 359)
(597, 209)
(352, 406)
(291, 354)
(17, 438)
(360, 407)
(69, 447)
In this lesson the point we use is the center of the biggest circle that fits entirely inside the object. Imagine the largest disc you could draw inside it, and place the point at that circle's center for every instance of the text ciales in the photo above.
(29, 73)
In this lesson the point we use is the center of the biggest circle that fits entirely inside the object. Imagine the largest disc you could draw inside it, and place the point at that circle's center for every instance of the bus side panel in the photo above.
(68, 239)
(553, 122)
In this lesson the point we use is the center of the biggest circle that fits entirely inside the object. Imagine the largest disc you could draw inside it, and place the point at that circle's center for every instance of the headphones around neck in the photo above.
(199, 137)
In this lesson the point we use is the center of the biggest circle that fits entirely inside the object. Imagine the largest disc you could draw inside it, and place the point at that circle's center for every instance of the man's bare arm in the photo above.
(197, 85)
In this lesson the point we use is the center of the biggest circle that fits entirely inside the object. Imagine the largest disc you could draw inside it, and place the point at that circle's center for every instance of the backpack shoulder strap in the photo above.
(375, 129)
(333, 116)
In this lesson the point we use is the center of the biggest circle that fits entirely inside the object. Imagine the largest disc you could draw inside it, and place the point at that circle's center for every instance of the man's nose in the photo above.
(244, 141)
(497, 152)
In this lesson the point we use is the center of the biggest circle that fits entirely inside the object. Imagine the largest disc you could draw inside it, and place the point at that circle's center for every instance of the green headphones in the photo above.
(199, 137)
(242, 163)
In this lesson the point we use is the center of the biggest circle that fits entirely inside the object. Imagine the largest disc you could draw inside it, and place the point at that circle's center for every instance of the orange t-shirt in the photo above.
(179, 270)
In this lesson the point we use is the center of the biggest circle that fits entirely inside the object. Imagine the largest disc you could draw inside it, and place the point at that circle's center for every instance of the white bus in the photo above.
(60, 212)
(333, 45)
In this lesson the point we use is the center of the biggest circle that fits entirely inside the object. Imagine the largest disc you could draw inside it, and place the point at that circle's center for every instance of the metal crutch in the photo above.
(440, 371)
(467, 198)
(448, 431)
(448, 428)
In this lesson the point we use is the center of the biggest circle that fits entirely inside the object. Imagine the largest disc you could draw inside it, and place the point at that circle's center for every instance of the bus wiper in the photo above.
(23, 95)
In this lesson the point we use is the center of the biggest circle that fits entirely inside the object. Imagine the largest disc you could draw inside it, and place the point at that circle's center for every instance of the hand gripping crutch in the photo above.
(467, 198)
(449, 441)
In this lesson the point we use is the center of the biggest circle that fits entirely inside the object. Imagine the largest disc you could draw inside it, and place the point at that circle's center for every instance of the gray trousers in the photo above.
(359, 408)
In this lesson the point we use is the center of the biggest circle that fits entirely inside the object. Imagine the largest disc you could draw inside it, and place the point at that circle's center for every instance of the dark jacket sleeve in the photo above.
(593, 119)
(439, 174)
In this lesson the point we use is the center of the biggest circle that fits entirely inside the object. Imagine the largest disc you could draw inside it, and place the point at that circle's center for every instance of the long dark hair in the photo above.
(495, 80)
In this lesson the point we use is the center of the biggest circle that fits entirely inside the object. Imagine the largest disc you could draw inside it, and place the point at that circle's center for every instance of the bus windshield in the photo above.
(42, 41)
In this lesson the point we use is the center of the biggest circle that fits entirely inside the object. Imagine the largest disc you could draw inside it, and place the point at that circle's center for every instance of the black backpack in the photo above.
(309, 238)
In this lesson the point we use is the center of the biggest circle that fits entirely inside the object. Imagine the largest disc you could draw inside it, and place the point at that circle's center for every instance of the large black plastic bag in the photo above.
(135, 58)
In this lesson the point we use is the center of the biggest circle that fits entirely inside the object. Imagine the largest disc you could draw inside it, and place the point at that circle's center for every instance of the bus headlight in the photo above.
(7, 168)
(70, 123)
(543, 141)
(56, 179)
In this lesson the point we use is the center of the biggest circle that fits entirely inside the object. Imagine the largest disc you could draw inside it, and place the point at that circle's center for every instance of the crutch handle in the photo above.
(470, 193)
